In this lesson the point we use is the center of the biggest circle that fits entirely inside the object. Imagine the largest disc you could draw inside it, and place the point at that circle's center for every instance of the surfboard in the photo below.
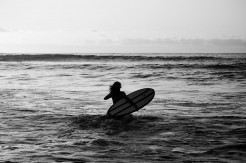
(133, 102)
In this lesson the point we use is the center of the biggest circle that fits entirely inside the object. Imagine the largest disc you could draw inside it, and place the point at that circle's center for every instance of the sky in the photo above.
(122, 26)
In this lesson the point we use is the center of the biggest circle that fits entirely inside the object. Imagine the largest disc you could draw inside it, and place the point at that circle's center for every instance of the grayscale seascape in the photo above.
(52, 108)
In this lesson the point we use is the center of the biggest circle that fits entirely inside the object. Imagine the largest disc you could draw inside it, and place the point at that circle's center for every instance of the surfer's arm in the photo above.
(108, 96)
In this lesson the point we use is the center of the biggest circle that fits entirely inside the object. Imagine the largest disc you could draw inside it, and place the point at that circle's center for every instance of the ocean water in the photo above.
(52, 108)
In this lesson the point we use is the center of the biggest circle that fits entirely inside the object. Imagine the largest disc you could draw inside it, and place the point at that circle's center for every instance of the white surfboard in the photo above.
(133, 102)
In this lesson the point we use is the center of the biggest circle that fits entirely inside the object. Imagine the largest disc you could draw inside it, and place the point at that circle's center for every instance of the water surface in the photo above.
(52, 108)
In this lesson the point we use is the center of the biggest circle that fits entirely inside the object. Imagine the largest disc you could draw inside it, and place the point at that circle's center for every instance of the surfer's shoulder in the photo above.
(123, 93)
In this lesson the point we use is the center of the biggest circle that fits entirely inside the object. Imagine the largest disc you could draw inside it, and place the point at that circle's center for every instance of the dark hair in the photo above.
(115, 87)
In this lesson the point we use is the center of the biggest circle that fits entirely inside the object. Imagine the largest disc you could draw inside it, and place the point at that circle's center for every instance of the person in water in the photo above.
(117, 95)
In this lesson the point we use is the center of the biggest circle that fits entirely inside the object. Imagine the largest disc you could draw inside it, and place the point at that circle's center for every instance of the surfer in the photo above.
(116, 94)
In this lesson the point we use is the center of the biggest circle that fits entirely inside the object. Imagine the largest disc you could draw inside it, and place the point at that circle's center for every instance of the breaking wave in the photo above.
(76, 57)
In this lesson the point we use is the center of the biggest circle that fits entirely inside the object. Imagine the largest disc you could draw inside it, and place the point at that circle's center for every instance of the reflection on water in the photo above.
(52, 109)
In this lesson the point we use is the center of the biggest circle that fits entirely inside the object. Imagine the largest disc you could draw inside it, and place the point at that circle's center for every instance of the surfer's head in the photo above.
(115, 87)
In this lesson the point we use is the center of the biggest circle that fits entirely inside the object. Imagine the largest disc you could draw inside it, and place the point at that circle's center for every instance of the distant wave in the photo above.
(196, 65)
(75, 57)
